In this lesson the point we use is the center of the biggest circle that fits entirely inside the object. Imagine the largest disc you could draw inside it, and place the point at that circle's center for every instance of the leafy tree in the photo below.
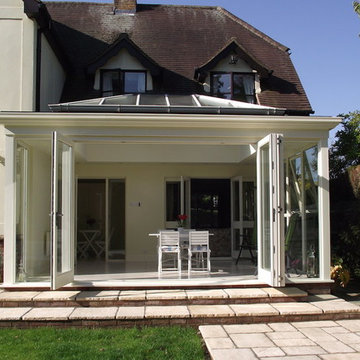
(356, 6)
(345, 209)
(345, 151)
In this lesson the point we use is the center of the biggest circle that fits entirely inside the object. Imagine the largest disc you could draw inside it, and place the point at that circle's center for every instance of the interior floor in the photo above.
(100, 270)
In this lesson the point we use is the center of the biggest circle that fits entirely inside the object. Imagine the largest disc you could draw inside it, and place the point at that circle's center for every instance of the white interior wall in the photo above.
(145, 195)
(18, 46)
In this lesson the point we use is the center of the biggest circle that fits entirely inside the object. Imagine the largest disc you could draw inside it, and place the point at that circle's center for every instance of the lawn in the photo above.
(148, 343)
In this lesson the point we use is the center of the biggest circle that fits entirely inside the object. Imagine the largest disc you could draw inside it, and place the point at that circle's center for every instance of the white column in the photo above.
(10, 215)
(324, 210)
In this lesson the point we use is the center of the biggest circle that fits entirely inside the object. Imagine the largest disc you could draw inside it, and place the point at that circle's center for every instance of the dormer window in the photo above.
(234, 86)
(117, 82)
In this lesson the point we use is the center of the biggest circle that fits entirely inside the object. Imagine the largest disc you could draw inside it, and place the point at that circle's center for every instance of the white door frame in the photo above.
(273, 272)
(62, 235)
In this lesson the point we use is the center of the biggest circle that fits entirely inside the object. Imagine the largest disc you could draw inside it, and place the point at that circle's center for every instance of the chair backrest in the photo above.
(169, 238)
(289, 236)
(199, 238)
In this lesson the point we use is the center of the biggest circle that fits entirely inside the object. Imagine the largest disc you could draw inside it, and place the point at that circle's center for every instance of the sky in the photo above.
(323, 37)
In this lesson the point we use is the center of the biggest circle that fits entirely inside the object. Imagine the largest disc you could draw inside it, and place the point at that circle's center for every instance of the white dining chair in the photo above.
(198, 247)
(169, 243)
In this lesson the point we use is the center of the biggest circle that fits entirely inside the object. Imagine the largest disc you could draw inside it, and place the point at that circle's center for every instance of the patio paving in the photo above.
(284, 341)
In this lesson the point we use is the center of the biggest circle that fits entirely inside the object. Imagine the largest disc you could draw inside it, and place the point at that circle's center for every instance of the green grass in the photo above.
(150, 343)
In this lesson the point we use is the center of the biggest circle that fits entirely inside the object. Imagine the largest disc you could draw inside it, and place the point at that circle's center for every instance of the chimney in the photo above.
(125, 6)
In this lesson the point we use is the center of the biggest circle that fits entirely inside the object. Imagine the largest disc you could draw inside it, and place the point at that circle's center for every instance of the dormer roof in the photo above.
(233, 48)
(124, 42)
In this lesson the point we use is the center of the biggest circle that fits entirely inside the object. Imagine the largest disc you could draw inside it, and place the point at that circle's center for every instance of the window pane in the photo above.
(236, 202)
(244, 87)
(172, 200)
(248, 201)
(111, 83)
(21, 183)
(302, 247)
(265, 208)
(134, 82)
(221, 85)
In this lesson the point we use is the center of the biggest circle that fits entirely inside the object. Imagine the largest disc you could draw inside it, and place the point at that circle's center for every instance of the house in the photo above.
(119, 117)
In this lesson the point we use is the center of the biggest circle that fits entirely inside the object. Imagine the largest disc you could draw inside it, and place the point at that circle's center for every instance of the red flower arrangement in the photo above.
(182, 220)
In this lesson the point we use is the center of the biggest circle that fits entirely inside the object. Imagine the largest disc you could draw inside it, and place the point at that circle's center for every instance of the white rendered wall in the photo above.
(17, 70)
(145, 185)
(124, 61)
(52, 77)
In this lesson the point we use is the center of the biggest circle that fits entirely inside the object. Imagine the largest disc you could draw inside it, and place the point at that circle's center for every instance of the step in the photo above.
(321, 307)
(155, 297)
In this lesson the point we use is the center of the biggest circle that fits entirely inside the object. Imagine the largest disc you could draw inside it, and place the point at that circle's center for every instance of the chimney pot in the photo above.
(125, 5)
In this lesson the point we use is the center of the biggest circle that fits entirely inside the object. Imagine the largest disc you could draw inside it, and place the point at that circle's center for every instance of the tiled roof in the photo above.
(177, 38)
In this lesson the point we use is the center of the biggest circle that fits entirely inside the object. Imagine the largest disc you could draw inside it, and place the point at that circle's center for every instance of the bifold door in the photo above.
(270, 210)
(62, 215)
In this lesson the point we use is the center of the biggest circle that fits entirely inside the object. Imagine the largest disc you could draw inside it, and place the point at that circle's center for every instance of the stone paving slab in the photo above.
(166, 312)
(56, 296)
(210, 311)
(96, 313)
(48, 314)
(254, 310)
(322, 324)
(104, 295)
(133, 295)
(285, 292)
(247, 328)
(18, 295)
(312, 340)
(246, 293)
(268, 351)
(317, 334)
(207, 294)
(8, 314)
(131, 312)
(335, 306)
(280, 326)
(343, 357)
(335, 347)
(352, 325)
(296, 308)
(232, 354)
(251, 340)
(166, 295)
(212, 331)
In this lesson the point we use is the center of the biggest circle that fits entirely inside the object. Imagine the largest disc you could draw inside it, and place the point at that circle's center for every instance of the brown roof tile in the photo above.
(179, 39)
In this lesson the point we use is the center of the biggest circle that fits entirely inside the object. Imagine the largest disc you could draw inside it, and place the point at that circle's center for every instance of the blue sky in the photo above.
(323, 36)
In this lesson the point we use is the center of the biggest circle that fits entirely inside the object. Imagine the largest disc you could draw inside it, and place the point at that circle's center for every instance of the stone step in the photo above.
(322, 307)
(155, 297)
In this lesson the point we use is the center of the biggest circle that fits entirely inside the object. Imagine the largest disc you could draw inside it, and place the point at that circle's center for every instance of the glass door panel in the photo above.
(236, 216)
(270, 224)
(116, 220)
(62, 250)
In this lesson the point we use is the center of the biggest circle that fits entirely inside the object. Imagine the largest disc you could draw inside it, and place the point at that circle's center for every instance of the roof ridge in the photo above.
(253, 29)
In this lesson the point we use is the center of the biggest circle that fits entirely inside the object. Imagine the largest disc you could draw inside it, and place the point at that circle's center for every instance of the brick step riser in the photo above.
(194, 322)
(160, 302)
